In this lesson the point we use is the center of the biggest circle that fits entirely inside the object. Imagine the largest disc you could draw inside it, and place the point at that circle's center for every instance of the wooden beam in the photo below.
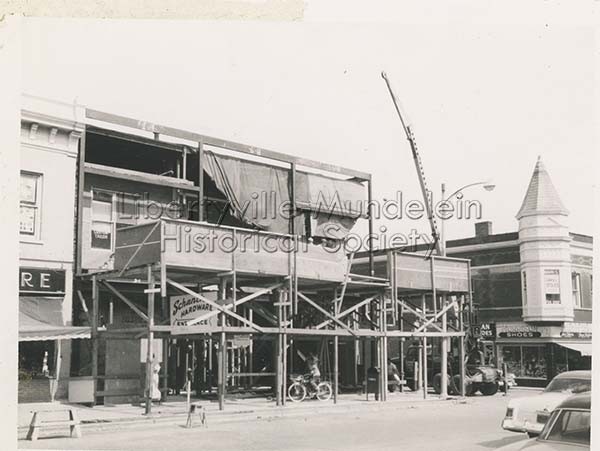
(137, 176)
(223, 144)
(149, 341)
(436, 317)
(131, 305)
(94, 335)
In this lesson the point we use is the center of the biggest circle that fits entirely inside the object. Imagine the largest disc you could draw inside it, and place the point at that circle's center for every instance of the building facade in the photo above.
(533, 288)
(50, 134)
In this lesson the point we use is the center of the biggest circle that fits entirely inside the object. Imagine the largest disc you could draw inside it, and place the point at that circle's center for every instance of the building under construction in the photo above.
(224, 263)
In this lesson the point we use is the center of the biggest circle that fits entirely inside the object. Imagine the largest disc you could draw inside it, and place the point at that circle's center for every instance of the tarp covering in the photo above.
(584, 348)
(259, 195)
(40, 318)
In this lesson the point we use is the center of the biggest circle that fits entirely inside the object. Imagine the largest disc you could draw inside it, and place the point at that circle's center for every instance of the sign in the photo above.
(520, 334)
(187, 307)
(157, 348)
(552, 281)
(577, 330)
(523, 330)
(241, 341)
(488, 331)
(39, 280)
(476, 331)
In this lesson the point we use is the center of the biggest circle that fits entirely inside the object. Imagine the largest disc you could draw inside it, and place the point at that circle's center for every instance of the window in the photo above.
(524, 288)
(552, 286)
(30, 204)
(110, 211)
(571, 426)
(576, 287)
(525, 361)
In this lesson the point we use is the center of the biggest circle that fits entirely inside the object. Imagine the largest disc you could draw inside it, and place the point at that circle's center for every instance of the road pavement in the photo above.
(453, 425)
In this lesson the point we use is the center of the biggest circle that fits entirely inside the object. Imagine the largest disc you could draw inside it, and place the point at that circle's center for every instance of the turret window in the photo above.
(552, 286)
(576, 287)
(524, 288)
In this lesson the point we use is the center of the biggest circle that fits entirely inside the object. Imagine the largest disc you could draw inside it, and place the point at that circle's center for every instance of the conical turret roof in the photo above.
(541, 196)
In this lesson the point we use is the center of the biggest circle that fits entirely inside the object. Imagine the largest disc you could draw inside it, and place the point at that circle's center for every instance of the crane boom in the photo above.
(418, 165)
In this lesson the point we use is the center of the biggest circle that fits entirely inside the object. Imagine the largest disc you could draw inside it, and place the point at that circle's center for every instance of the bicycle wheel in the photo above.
(296, 392)
(324, 391)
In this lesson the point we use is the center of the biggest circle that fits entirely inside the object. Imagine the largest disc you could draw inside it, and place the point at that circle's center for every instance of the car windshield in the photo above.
(571, 426)
(570, 385)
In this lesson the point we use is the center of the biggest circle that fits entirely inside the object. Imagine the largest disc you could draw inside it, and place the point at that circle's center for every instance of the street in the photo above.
(453, 425)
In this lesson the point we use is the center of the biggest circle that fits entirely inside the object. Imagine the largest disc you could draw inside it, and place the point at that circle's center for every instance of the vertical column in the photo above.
(222, 358)
(94, 335)
(200, 181)
(370, 210)
(150, 340)
(335, 368)
(444, 351)
(425, 378)
(461, 345)
(384, 350)
(278, 353)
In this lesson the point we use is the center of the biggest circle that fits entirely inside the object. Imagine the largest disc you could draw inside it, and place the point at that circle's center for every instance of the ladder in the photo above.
(419, 166)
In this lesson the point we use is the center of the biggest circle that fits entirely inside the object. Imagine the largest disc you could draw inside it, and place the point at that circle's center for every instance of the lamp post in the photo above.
(487, 185)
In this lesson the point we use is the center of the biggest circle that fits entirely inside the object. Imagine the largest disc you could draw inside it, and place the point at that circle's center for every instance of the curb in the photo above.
(225, 417)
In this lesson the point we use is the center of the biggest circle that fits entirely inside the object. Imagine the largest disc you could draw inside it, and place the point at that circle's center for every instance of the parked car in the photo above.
(530, 414)
(567, 429)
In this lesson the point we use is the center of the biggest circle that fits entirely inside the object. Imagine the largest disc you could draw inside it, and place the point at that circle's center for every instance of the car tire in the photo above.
(489, 388)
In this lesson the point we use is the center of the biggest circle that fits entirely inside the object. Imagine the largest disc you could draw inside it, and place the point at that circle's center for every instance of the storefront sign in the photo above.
(188, 307)
(241, 341)
(577, 330)
(38, 280)
(517, 334)
(524, 330)
(488, 331)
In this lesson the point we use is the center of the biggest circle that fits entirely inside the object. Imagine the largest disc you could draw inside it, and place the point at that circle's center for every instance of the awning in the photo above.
(40, 318)
(583, 348)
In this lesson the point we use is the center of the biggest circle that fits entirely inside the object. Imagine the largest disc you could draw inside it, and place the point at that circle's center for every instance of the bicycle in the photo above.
(301, 387)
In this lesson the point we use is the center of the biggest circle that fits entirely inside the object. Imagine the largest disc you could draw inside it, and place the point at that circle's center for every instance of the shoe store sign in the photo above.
(523, 330)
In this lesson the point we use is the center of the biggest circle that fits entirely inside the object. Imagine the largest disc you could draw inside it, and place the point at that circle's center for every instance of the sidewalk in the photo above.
(174, 411)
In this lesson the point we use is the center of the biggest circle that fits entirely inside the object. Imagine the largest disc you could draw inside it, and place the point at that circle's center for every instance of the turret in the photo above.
(545, 252)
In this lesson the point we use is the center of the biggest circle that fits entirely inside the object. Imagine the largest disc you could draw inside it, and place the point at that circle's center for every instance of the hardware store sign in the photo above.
(187, 307)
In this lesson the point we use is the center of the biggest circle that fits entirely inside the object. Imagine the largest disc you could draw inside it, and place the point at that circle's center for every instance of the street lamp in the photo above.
(487, 185)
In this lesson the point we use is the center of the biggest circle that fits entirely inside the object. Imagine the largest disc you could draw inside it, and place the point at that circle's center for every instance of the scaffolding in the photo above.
(300, 291)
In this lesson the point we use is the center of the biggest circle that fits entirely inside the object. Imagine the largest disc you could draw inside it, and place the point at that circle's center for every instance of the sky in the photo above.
(483, 101)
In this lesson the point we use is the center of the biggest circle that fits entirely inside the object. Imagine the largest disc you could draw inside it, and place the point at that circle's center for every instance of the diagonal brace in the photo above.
(238, 302)
(326, 313)
(423, 326)
(419, 315)
(131, 305)
(213, 304)
(348, 310)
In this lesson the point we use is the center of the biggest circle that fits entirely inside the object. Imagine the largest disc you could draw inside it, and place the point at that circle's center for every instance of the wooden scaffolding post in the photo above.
(222, 357)
(444, 351)
(94, 334)
(336, 375)
(384, 353)
(425, 381)
(149, 341)
(461, 345)
(278, 353)
(200, 181)
(284, 348)
(166, 308)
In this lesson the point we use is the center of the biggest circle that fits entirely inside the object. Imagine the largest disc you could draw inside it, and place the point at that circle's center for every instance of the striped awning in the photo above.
(40, 319)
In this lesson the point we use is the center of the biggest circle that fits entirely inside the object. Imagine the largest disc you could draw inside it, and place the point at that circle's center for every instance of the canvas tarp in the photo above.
(259, 195)
(40, 318)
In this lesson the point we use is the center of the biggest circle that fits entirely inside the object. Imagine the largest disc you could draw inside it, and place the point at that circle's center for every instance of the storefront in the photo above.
(535, 354)
(42, 331)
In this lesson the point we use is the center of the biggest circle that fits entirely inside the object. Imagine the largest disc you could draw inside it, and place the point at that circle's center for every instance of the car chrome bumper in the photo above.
(514, 425)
